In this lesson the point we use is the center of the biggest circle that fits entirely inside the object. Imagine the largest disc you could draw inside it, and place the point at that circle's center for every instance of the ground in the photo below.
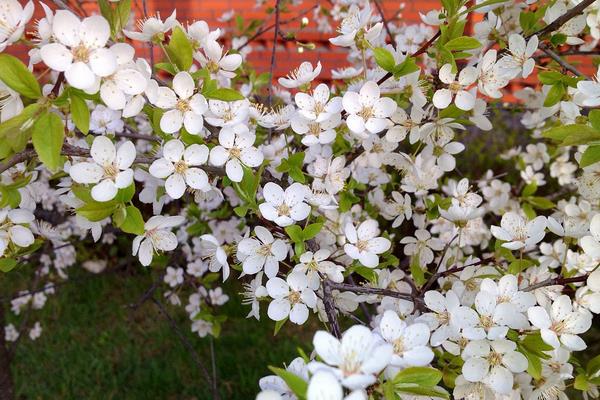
(95, 347)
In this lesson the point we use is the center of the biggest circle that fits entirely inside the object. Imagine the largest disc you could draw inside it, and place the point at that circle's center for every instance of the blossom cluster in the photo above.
(363, 204)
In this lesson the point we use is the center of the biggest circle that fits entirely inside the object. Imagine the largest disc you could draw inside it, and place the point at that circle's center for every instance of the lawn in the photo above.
(96, 347)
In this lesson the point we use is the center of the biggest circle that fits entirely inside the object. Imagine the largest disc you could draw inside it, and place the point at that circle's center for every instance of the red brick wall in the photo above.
(288, 57)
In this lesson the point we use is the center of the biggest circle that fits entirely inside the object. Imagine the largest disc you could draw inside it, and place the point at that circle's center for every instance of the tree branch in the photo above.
(376, 291)
(556, 281)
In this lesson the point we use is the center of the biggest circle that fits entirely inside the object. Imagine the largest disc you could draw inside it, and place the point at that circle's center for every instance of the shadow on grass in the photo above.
(95, 347)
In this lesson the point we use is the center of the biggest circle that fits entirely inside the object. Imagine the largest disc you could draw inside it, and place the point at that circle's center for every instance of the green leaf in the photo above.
(366, 273)
(224, 94)
(560, 133)
(384, 59)
(17, 77)
(555, 94)
(16, 132)
(96, 211)
(180, 49)
(295, 233)
(279, 325)
(529, 211)
(593, 366)
(416, 271)
(581, 137)
(581, 382)
(121, 15)
(134, 222)
(529, 189)
(126, 194)
(462, 43)
(550, 77)
(408, 66)
(7, 264)
(80, 113)
(312, 230)
(558, 38)
(163, 66)
(540, 202)
(422, 391)
(422, 376)
(590, 156)
(594, 118)
(298, 385)
(247, 188)
(48, 136)
(241, 211)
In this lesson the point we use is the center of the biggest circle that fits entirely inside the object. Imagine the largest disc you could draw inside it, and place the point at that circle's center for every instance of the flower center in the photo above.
(81, 53)
(212, 66)
(486, 321)
(312, 266)
(351, 364)
(283, 209)
(366, 113)
(443, 317)
(495, 358)
(362, 245)
(294, 297)
(180, 167)
(182, 105)
(398, 346)
(319, 107)
(264, 250)
(111, 171)
(455, 87)
(558, 327)
(228, 116)
(315, 129)
(235, 152)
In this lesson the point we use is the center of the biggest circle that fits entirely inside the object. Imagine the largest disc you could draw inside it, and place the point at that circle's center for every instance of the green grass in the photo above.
(95, 347)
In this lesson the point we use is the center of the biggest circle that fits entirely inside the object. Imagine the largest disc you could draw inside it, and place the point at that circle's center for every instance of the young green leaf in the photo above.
(133, 222)
(224, 94)
(48, 136)
(180, 49)
(295, 233)
(384, 59)
(422, 376)
(298, 385)
(462, 43)
(555, 94)
(96, 211)
(590, 156)
(80, 113)
(17, 77)
(312, 230)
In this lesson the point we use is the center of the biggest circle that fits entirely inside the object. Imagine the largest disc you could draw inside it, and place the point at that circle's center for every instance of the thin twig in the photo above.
(385, 23)
(190, 348)
(329, 305)
(560, 61)
(435, 276)
(273, 60)
(260, 32)
(273, 52)
(420, 51)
